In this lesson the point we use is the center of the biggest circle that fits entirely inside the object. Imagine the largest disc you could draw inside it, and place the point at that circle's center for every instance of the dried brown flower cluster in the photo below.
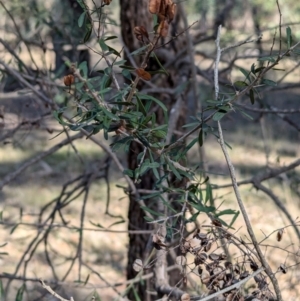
(165, 10)
(69, 80)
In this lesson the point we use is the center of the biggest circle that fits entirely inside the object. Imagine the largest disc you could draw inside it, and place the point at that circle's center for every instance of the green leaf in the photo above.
(296, 51)
(148, 97)
(167, 204)
(240, 84)
(140, 105)
(246, 115)
(117, 223)
(127, 67)
(81, 19)
(193, 218)
(139, 51)
(289, 37)
(111, 38)
(84, 68)
(148, 165)
(209, 194)
(80, 2)
(259, 69)
(127, 74)
(87, 279)
(246, 73)
(200, 137)
(128, 172)
(14, 228)
(267, 58)
(269, 82)
(20, 293)
(228, 212)
(136, 296)
(163, 70)
(150, 211)
(88, 33)
(251, 94)
(174, 170)
(103, 45)
(212, 101)
(114, 51)
(225, 212)
(218, 116)
(199, 206)
(148, 219)
(109, 114)
(150, 195)
(182, 87)
(1, 291)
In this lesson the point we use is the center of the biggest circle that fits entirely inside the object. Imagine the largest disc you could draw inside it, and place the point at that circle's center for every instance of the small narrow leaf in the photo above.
(289, 37)
(267, 58)
(200, 137)
(246, 73)
(88, 33)
(81, 19)
(251, 93)
(218, 116)
(20, 293)
(240, 84)
(269, 82)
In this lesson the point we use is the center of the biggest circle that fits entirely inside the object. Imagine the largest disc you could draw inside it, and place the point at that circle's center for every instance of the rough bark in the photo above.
(135, 13)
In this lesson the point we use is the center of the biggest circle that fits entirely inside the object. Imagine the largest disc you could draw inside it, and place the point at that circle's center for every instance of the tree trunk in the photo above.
(135, 13)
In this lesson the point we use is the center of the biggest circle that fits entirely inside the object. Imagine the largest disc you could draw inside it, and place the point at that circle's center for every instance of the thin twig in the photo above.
(262, 258)
(52, 292)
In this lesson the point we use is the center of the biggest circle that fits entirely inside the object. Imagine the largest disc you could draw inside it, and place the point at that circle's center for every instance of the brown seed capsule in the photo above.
(279, 235)
(213, 257)
(69, 80)
(143, 74)
(208, 246)
(283, 268)
(253, 266)
(141, 33)
(216, 223)
(244, 275)
(154, 6)
(163, 28)
(202, 235)
(107, 2)
(171, 11)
